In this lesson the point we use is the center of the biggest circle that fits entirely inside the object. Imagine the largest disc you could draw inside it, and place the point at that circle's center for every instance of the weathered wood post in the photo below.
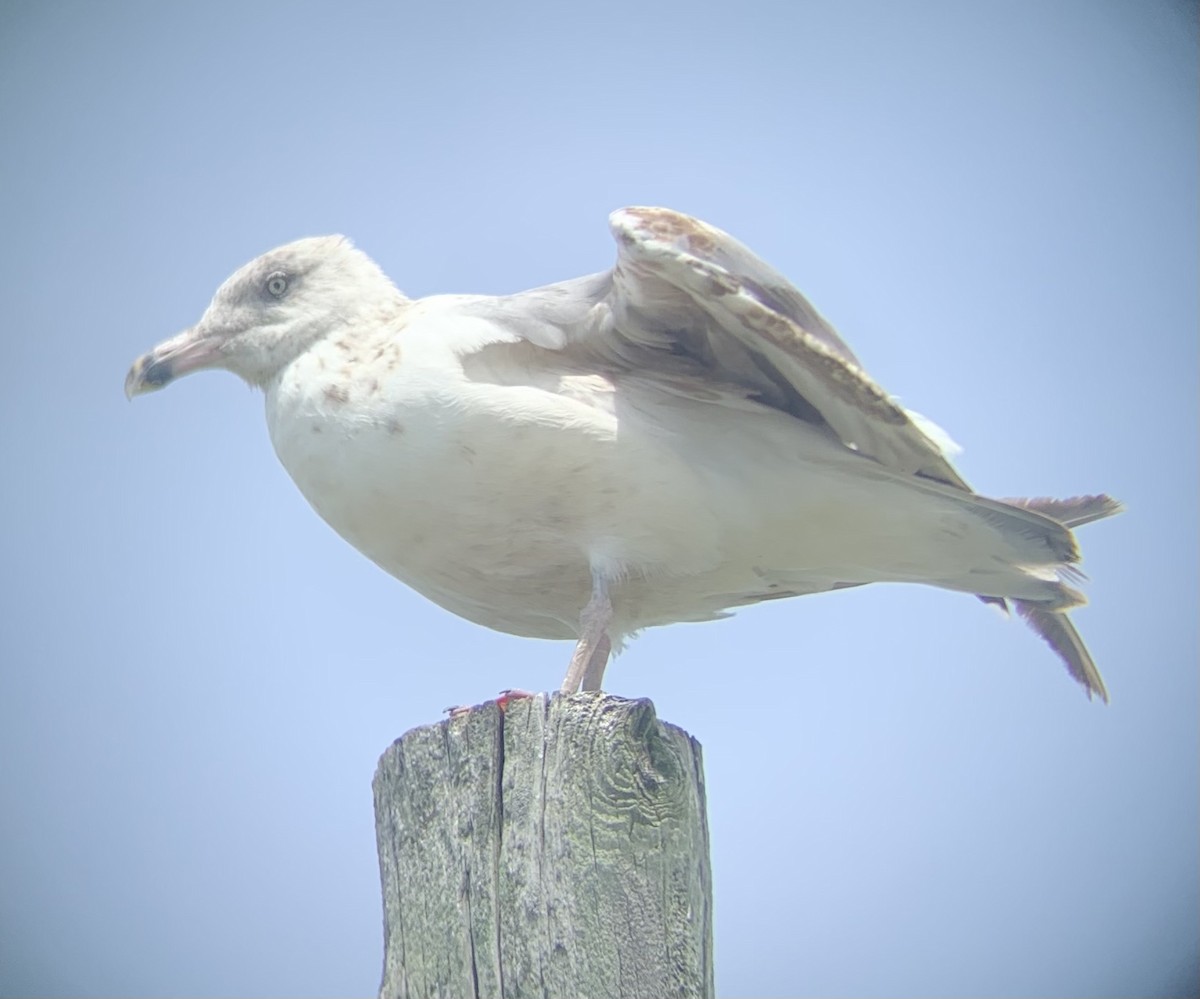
(556, 849)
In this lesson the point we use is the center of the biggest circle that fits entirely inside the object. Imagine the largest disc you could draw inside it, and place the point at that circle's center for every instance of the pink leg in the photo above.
(595, 667)
(591, 651)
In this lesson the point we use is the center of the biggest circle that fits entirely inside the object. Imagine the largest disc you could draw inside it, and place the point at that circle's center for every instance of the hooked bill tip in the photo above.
(146, 375)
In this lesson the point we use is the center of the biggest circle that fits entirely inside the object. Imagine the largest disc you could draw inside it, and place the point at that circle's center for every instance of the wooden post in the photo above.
(559, 849)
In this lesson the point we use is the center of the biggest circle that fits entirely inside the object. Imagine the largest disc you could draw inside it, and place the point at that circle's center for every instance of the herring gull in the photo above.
(665, 441)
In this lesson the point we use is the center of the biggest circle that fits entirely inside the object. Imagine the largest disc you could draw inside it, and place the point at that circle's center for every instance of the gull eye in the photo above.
(277, 284)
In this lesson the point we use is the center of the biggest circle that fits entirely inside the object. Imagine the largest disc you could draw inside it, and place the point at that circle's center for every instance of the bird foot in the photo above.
(511, 694)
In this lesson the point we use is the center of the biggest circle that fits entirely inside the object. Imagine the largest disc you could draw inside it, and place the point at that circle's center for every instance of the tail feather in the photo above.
(1072, 512)
(1059, 633)
(1053, 625)
(998, 602)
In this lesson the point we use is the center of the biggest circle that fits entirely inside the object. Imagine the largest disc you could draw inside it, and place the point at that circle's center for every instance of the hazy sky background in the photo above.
(996, 204)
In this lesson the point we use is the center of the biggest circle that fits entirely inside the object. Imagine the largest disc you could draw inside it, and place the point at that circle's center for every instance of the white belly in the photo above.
(492, 501)
(496, 501)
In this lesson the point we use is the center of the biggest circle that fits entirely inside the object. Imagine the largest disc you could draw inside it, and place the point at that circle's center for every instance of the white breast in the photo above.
(492, 500)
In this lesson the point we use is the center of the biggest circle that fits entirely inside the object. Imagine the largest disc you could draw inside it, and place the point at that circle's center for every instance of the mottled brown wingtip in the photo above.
(667, 225)
(1059, 633)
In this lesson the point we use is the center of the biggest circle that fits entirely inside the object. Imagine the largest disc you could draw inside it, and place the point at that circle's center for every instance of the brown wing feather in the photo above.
(699, 285)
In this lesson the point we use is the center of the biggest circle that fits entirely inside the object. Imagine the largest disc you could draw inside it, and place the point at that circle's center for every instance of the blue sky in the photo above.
(996, 205)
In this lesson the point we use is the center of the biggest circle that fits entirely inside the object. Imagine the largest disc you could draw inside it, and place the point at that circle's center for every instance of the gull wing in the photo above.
(699, 292)
(689, 288)
(694, 308)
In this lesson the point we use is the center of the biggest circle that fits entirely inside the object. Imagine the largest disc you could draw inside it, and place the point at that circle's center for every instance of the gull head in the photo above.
(271, 311)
